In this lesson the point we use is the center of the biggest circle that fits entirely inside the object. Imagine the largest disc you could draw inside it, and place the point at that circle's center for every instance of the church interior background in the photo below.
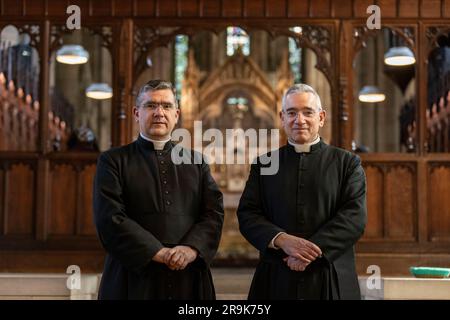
(231, 62)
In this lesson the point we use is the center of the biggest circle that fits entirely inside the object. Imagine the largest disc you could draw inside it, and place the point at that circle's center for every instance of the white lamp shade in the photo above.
(72, 54)
(399, 56)
(371, 94)
(99, 91)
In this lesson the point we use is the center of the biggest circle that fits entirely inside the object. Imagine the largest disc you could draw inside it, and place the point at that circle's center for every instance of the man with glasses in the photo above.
(307, 217)
(160, 223)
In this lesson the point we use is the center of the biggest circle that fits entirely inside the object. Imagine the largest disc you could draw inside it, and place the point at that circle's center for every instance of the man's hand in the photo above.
(159, 256)
(179, 257)
(297, 247)
(295, 264)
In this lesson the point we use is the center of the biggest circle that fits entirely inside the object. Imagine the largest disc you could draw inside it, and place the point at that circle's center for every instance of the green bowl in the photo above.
(429, 272)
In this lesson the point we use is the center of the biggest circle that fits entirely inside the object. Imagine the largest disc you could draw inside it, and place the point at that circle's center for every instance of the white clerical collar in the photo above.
(306, 147)
(158, 144)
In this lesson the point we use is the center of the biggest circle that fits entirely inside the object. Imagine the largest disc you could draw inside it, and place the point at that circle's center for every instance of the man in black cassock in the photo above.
(306, 218)
(159, 222)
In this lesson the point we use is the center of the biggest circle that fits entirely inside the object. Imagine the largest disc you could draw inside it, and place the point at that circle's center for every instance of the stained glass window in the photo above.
(181, 59)
(237, 38)
(295, 56)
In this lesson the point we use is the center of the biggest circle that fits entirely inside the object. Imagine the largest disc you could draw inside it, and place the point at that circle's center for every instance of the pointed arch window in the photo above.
(237, 39)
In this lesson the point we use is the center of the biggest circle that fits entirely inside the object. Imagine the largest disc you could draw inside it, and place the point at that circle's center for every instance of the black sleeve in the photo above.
(206, 232)
(123, 238)
(253, 223)
(345, 228)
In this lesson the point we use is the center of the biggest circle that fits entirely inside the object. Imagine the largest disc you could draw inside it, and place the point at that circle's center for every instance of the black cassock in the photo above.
(319, 196)
(143, 202)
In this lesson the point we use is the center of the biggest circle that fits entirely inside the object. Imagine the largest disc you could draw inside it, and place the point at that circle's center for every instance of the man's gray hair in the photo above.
(154, 85)
(302, 88)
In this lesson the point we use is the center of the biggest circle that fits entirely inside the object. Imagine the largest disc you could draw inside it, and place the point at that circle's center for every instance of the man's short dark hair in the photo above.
(154, 85)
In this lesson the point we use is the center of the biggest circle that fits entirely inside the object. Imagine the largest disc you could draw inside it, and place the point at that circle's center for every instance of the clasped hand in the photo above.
(176, 258)
(301, 252)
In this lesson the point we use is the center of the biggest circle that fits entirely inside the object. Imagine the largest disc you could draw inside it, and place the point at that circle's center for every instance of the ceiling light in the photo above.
(371, 94)
(99, 91)
(399, 56)
(72, 54)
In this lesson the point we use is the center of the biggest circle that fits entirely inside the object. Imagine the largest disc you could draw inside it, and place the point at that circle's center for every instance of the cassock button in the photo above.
(160, 153)
(165, 181)
(166, 192)
(162, 162)
(168, 202)
(164, 171)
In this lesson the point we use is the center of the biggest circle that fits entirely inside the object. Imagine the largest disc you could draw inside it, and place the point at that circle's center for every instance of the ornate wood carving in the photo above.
(361, 34)
(19, 195)
(33, 31)
(62, 200)
(317, 38)
(433, 33)
(391, 200)
(105, 32)
(439, 201)
(375, 218)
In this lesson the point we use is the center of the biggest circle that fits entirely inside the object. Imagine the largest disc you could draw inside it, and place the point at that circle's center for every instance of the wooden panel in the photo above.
(211, 8)
(86, 224)
(360, 8)
(374, 227)
(400, 203)
(101, 8)
(388, 8)
(446, 9)
(341, 9)
(167, 8)
(232, 8)
(63, 190)
(2, 199)
(276, 8)
(54, 261)
(123, 8)
(320, 9)
(408, 8)
(297, 8)
(34, 7)
(430, 9)
(20, 195)
(253, 8)
(57, 7)
(439, 203)
(145, 8)
(189, 8)
(12, 8)
(85, 7)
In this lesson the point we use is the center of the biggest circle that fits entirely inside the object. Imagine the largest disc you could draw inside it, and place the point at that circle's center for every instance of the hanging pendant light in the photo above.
(72, 54)
(371, 94)
(399, 56)
(99, 91)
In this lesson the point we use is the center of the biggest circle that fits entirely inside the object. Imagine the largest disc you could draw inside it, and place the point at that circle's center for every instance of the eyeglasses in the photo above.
(153, 106)
(307, 113)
